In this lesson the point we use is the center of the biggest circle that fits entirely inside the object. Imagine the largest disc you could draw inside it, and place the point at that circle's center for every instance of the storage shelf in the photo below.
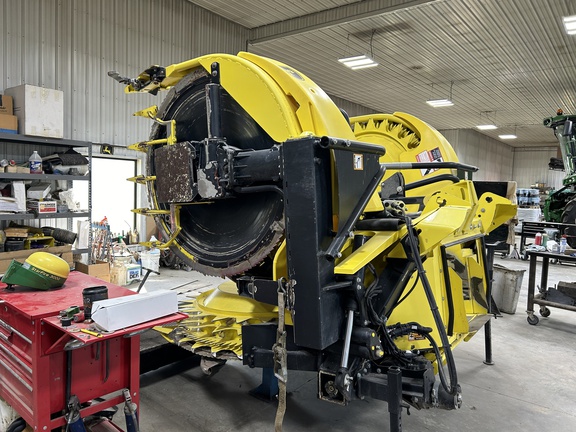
(14, 145)
(61, 215)
(29, 216)
(58, 142)
(47, 177)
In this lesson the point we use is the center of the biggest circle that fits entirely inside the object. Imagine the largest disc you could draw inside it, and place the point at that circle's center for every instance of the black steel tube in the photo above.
(449, 299)
(397, 291)
(427, 165)
(431, 180)
(394, 376)
(257, 166)
(488, 272)
(352, 146)
(258, 189)
(213, 106)
(338, 241)
(379, 224)
(337, 285)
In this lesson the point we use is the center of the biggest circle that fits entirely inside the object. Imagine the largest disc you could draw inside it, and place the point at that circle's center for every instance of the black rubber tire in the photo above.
(532, 319)
(544, 312)
(569, 217)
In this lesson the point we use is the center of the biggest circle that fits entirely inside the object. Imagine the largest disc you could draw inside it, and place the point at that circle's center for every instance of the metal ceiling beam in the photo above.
(328, 18)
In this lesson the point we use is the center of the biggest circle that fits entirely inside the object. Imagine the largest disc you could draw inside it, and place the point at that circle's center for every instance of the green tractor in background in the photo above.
(560, 206)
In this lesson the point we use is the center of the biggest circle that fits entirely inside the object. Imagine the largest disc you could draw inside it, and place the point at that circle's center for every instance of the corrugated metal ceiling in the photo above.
(510, 62)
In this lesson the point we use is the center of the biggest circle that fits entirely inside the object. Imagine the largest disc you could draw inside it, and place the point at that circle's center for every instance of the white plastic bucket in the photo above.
(506, 287)
(150, 260)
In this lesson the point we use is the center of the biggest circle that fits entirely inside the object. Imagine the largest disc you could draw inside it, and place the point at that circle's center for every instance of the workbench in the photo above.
(537, 298)
(42, 363)
(530, 229)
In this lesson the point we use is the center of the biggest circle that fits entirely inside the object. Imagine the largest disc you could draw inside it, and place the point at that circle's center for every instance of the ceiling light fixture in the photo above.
(509, 136)
(358, 62)
(439, 102)
(362, 61)
(489, 125)
(436, 103)
(570, 24)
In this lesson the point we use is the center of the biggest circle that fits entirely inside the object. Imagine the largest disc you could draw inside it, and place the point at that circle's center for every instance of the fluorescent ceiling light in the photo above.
(358, 62)
(439, 102)
(486, 127)
(570, 24)
(507, 136)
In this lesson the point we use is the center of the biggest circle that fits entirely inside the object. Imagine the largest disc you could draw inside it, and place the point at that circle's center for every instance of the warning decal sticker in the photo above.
(433, 155)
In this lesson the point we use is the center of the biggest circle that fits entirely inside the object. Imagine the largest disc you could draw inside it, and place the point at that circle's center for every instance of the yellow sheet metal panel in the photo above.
(366, 253)
(406, 139)
(315, 110)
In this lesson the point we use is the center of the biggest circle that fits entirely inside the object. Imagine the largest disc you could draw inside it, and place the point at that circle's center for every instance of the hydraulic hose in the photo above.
(452, 388)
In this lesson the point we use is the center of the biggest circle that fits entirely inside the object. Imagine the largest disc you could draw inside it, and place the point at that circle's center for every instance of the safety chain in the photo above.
(280, 356)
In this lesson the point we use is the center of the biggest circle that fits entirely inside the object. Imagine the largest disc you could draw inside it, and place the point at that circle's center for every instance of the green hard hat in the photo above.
(41, 270)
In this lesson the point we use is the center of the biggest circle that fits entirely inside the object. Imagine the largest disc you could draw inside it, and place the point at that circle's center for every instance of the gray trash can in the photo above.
(506, 285)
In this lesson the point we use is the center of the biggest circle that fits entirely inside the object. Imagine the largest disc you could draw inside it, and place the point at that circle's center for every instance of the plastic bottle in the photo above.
(35, 163)
(563, 244)
(538, 239)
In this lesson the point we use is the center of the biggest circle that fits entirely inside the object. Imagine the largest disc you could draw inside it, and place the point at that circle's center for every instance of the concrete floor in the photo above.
(531, 386)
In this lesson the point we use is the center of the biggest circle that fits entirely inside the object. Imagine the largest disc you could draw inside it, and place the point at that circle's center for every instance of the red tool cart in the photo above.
(43, 363)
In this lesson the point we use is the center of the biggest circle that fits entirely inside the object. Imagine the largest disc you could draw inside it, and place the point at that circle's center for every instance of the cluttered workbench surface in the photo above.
(46, 361)
(38, 304)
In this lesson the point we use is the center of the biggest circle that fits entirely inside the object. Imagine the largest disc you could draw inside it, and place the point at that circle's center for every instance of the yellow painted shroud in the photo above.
(287, 104)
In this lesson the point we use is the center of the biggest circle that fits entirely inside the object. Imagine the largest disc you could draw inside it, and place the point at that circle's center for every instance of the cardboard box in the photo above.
(64, 252)
(100, 270)
(6, 105)
(121, 312)
(40, 111)
(38, 191)
(8, 124)
(42, 207)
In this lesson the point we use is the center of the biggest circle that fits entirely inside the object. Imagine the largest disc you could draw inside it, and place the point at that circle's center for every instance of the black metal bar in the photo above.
(213, 109)
(258, 189)
(338, 241)
(544, 275)
(394, 399)
(541, 302)
(488, 271)
(427, 165)
(431, 180)
(531, 283)
(337, 285)
(351, 146)
(449, 298)
(398, 289)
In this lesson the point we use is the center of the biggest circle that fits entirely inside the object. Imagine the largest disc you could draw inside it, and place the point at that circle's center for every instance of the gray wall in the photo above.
(493, 158)
(70, 45)
(531, 166)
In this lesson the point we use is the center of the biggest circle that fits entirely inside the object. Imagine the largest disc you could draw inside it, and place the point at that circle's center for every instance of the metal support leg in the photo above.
(488, 343)
(268, 389)
(488, 326)
(394, 399)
